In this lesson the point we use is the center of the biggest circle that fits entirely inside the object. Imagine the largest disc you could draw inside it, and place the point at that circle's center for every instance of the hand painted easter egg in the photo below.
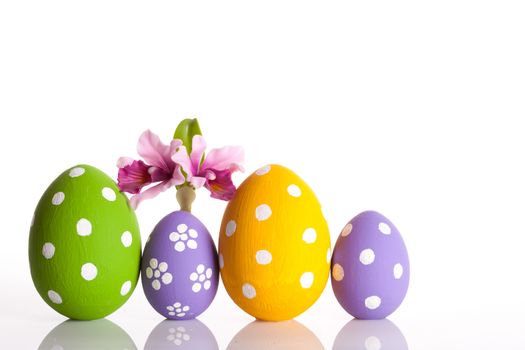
(84, 245)
(274, 245)
(370, 269)
(180, 271)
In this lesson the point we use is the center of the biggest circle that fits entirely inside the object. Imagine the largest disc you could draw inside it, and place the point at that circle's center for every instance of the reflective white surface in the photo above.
(225, 327)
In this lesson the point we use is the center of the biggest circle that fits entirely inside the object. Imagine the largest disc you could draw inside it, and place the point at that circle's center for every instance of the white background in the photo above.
(411, 108)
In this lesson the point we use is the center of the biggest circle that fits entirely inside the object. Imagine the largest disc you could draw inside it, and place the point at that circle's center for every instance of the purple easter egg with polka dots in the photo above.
(180, 271)
(370, 267)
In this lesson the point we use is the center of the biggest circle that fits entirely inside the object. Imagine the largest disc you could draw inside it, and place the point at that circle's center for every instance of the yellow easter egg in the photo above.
(274, 245)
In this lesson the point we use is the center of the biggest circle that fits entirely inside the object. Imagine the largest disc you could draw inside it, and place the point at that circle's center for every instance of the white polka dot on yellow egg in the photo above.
(263, 212)
(309, 235)
(263, 257)
(230, 228)
(274, 246)
(221, 261)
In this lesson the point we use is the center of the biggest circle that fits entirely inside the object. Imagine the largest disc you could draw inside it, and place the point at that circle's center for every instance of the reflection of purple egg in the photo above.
(180, 270)
(370, 269)
(370, 335)
(181, 335)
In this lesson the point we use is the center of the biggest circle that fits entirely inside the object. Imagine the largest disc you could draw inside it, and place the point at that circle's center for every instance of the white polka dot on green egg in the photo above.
(48, 250)
(58, 198)
(76, 172)
(126, 239)
(84, 245)
(83, 227)
(126, 286)
(54, 297)
(89, 271)
(109, 194)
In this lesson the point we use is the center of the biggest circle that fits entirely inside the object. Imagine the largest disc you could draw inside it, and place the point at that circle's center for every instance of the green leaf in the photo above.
(186, 130)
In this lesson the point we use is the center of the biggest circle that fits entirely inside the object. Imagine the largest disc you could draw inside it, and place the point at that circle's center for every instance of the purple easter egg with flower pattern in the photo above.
(370, 267)
(180, 271)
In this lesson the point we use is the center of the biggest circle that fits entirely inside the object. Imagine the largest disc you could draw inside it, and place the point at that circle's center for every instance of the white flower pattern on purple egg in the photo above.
(178, 335)
(201, 278)
(178, 309)
(158, 273)
(184, 238)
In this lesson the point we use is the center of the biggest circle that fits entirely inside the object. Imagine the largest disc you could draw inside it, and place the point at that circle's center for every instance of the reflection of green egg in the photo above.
(84, 245)
(99, 334)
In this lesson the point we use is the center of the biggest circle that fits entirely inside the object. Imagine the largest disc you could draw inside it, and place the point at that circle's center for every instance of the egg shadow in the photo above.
(370, 335)
(285, 335)
(189, 334)
(98, 334)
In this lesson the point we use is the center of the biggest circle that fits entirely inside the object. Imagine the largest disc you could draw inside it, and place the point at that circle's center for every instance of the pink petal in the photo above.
(158, 174)
(151, 192)
(174, 145)
(209, 174)
(124, 161)
(177, 178)
(154, 151)
(133, 177)
(181, 157)
(198, 146)
(226, 158)
(197, 181)
(222, 187)
(148, 194)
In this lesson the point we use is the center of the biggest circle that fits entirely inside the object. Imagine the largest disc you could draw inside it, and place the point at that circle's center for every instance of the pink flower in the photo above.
(134, 175)
(213, 171)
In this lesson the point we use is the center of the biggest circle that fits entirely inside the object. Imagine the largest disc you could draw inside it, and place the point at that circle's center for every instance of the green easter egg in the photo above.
(84, 245)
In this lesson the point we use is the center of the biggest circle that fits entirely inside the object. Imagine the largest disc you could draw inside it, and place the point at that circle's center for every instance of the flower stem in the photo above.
(185, 197)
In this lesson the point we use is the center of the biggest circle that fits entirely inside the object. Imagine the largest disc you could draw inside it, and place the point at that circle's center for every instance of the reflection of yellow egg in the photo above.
(274, 245)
